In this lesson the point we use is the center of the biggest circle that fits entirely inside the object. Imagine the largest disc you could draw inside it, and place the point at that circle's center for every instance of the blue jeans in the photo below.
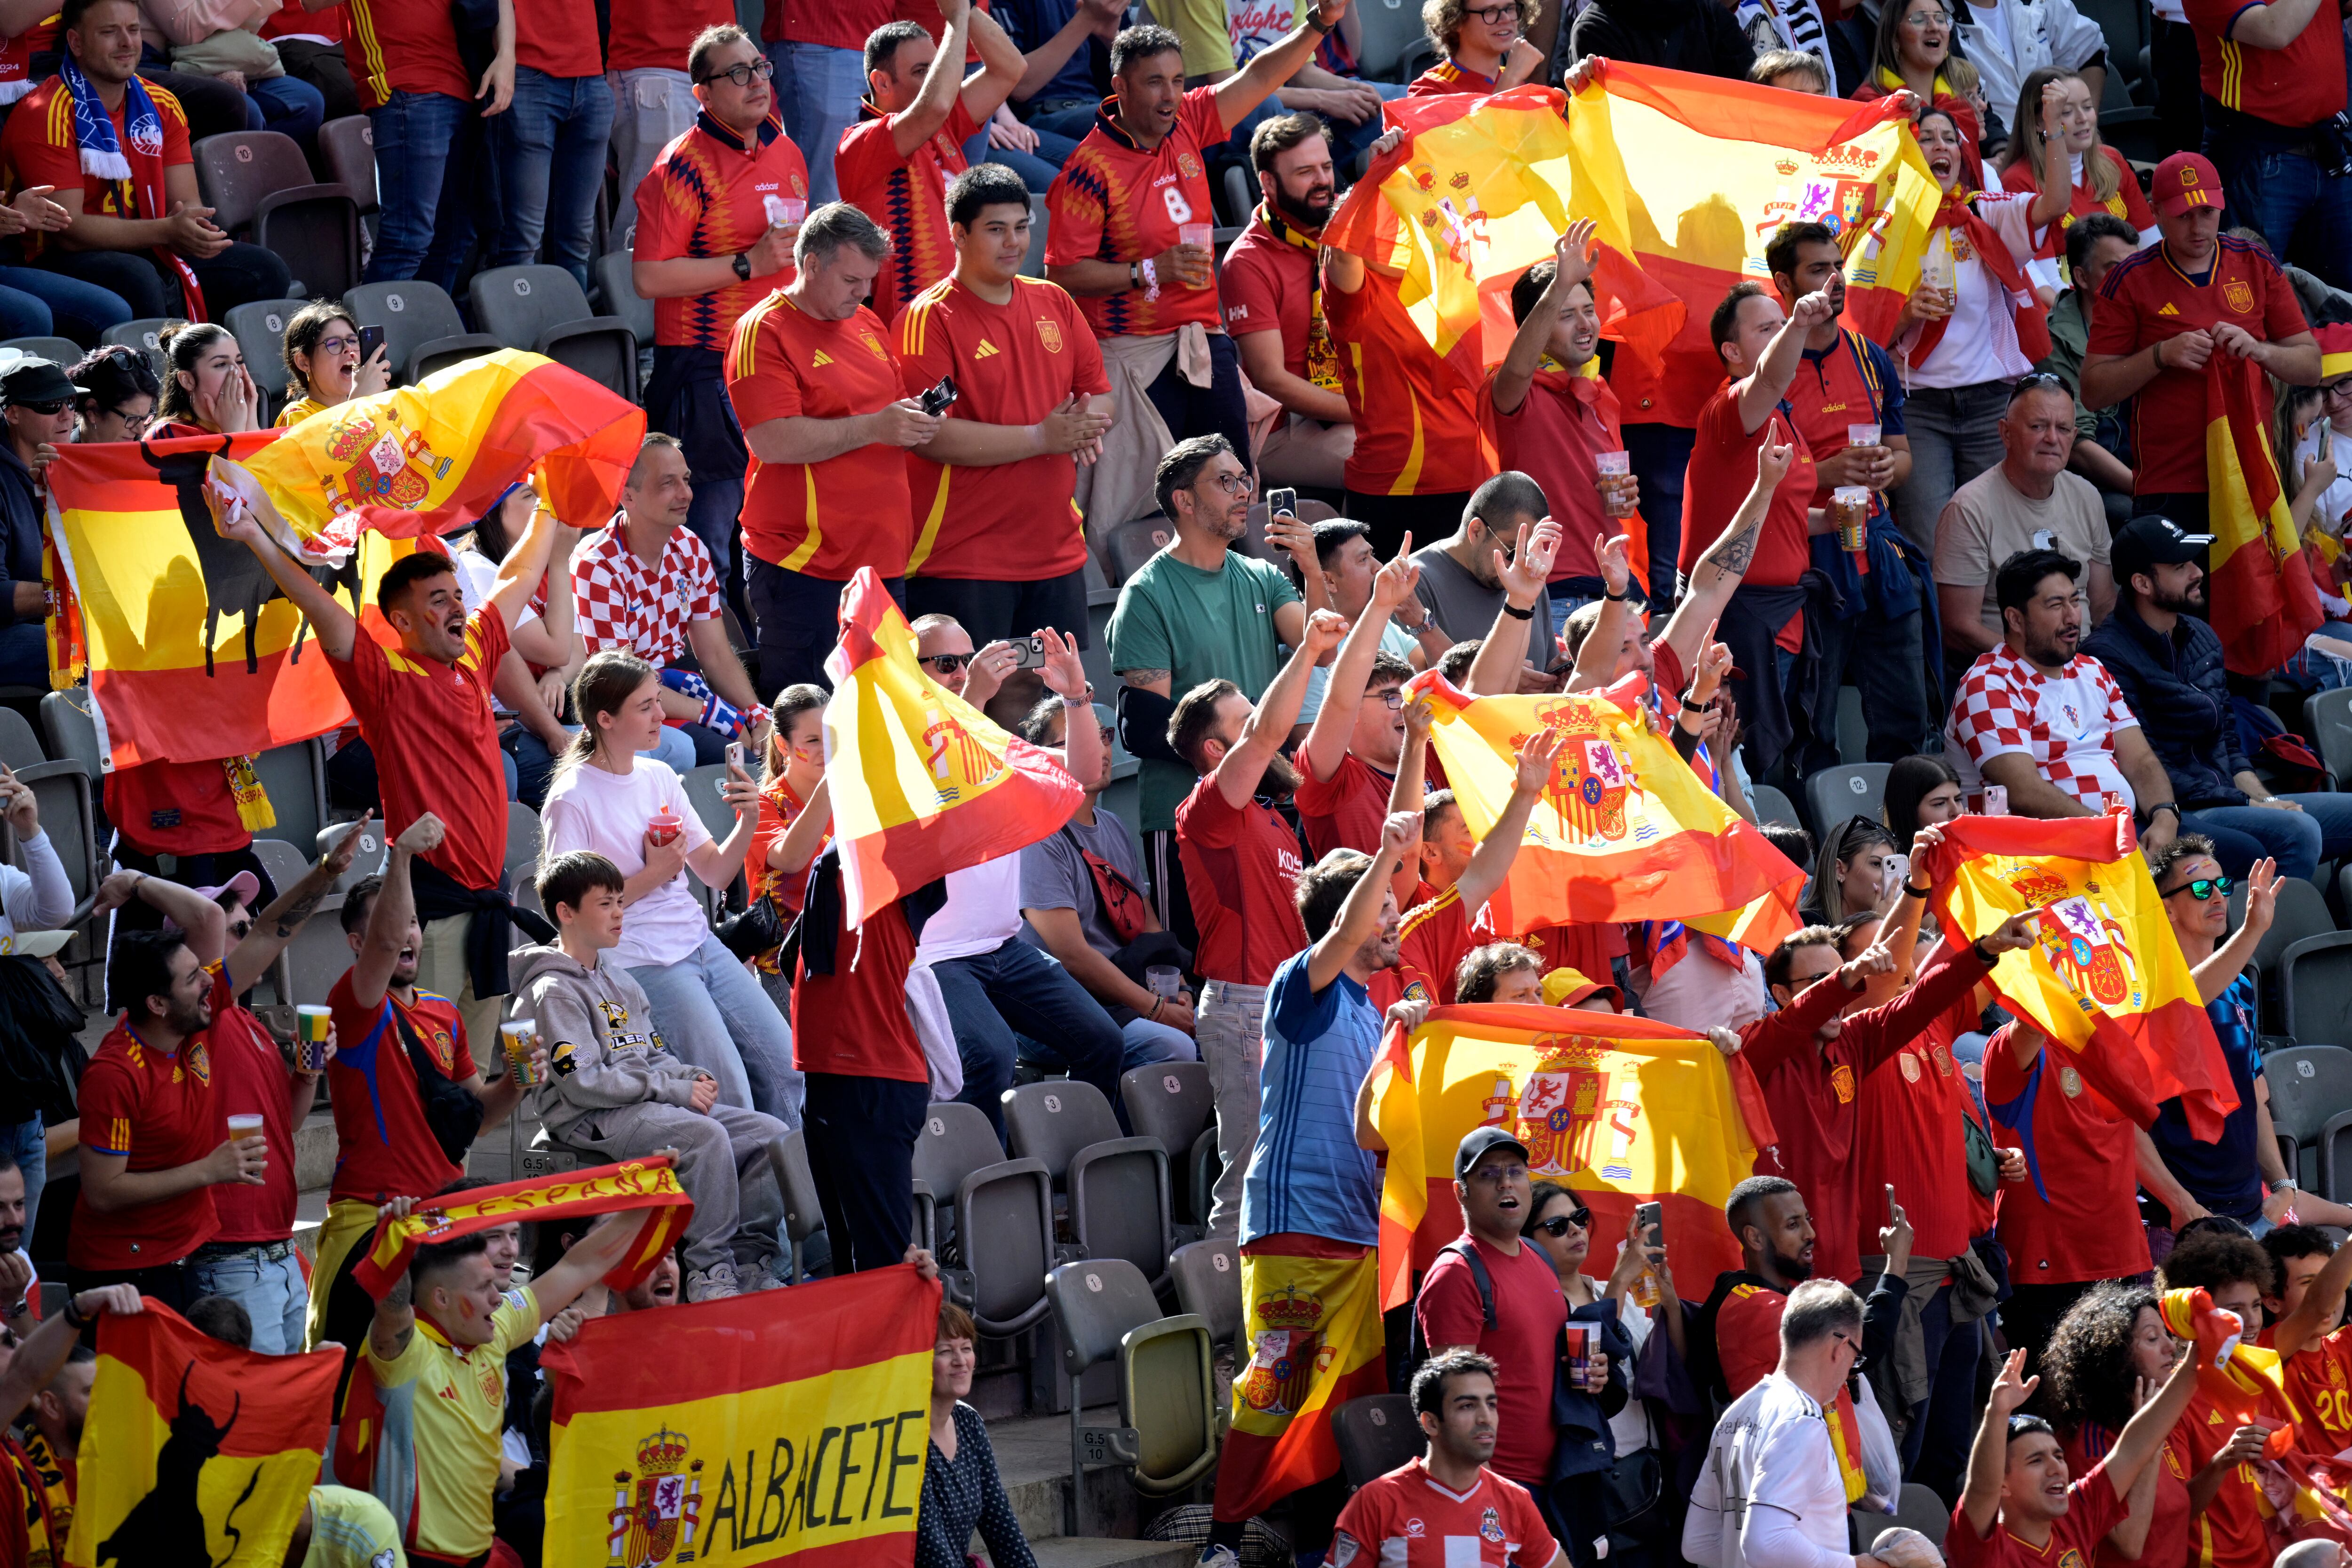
(66, 307)
(2297, 840)
(23, 1141)
(2303, 212)
(271, 1290)
(289, 107)
(714, 1015)
(550, 145)
(415, 133)
(827, 84)
(1071, 118)
(989, 996)
(1148, 1043)
(1036, 169)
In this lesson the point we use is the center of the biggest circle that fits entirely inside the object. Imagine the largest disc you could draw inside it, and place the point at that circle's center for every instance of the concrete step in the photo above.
(1086, 1552)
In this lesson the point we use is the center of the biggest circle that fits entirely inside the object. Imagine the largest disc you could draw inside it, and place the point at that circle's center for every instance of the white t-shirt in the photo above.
(1770, 1491)
(592, 809)
(981, 914)
(477, 575)
(1979, 341)
(2335, 507)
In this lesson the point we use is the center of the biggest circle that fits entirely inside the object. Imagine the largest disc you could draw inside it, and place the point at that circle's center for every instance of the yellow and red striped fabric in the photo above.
(923, 783)
(789, 1426)
(2263, 600)
(1626, 831)
(1691, 177)
(195, 1446)
(647, 1183)
(1624, 1110)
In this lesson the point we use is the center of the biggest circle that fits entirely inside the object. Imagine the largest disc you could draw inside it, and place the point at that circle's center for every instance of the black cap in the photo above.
(2147, 542)
(1476, 1146)
(32, 379)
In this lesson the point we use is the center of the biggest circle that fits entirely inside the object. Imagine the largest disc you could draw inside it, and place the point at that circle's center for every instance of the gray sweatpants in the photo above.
(1230, 1030)
(722, 1163)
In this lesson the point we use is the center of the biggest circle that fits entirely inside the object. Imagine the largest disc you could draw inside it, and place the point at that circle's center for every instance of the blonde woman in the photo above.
(2057, 157)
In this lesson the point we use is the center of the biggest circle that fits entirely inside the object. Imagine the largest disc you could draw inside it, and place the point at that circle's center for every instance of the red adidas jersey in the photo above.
(1553, 437)
(1907, 1135)
(1445, 77)
(402, 46)
(1432, 941)
(1115, 201)
(39, 147)
(2128, 202)
(2230, 1532)
(383, 1148)
(2300, 85)
(1406, 1518)
(175, 808)
(2094, 1507)
(1722, 473)
(157, 1110)
(2087, 1227)
(907, 197)
(1241, 870)
(250, 1078)
(2320, 1382)
(1747, 1334)
(1417, 431)
(559, 37)
(1013, 364)
(711, 193)
(1344, 811)
(2167, 1527)
(647, 38)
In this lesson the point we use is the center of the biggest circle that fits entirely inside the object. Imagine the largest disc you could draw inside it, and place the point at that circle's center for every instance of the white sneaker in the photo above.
(1215, 1556)
(769, 1275)
(717, 1283)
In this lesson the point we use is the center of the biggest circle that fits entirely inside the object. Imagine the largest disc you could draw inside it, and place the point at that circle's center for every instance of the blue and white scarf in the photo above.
(101, 153)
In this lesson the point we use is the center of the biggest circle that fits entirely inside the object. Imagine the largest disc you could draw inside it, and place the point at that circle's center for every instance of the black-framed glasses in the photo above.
(1392, 699)
(2203, 888)
(134, 423)
(1490, 15)
(336, 345)
(1842, 1337)
(46, 408)
(945, 663)
(743, 75)
(1239, 484)
(2338, 391)
(1557, 1227)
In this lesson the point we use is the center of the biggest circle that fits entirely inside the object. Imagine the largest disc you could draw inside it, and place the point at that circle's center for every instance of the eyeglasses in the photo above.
(1393, 698)
(1234, 484)
(1842, 1337)
(1928, 20)
(1557, 1227)
(1492, 13)
(946, 663)
(134, 423)
(2203, 888)
(744, 76)
(46, 408)
(337, 345)
(2337, 390)
(2041, 381)
(1496, 1176)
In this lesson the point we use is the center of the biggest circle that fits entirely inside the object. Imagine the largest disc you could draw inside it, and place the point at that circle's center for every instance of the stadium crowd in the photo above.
(1995, 524)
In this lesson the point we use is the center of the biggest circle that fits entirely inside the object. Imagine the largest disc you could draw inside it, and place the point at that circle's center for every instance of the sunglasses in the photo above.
(46, 408)
(240, 929)
(2204, 887)
(946, 663)
(1557, 1227)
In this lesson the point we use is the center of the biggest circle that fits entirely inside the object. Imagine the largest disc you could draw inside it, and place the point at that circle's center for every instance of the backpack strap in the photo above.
(1468, 1252)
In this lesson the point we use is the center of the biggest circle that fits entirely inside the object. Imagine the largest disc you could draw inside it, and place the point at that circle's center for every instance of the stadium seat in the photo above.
(542, 309)
(69, 730)
(1170, 1101)
(422, 330)
(1126, 546)
(2315, 979)
(2327, 719)
(260, 330)
(2301, 910)
(1236, 197)
(1917, 1509)
(1771, 806)
(702, 785)
(260, 189)
(319, 955)
(963, 1178)
(19, 748)
(522, 837)
(804, 1216)
(62, 792)
(1836, 795)
(287, 865)
(60, 351)
(1201, 1169)
(145, 335)
(621, 297)
(367, 862)
(1033, 263)
(1117, 1187)
(296, 778)
(1167, 1424)
(2310, 1085)
(1208, 1276)
(1375, 1435)
(347, 146)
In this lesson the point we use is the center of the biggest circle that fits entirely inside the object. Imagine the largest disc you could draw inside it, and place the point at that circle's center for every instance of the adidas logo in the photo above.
(985, 349)
(2166, 309)
(820, 360)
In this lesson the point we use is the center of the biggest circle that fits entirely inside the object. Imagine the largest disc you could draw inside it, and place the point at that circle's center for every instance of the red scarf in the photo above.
(1959, 212)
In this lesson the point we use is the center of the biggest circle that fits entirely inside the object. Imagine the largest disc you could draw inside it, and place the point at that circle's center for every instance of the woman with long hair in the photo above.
(2108, 1352)
(1921, 792)
(1913, 46)
(1969, 331)
(322, 362)
(796, 811)
(119, 394)
(207, 391)
(2056, 157)
(633, 811)
(1857, 873)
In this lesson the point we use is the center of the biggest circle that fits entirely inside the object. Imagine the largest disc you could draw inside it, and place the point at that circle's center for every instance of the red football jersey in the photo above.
(175, 808)
(2230, 1532)
(2300, 85)
(1553, 436)
(1723, 470)
(1115, 201)
(710, 195)
(559, 37)
(250, 1078)
(853, 1021)
(1407, 1520)
(1747, 1334)
(1432, 939)
(2167, 1527)
(1445, 77)
(1241, 870)
(2094, 1507)
(2321, 1384)
(383, 1148)
(158, 1110)
(2127, 204)
(1417, 431)
(399, 45)
(1346, 811)
(2088, 1226)
(39, 147)
(648, 38)
(907, 197)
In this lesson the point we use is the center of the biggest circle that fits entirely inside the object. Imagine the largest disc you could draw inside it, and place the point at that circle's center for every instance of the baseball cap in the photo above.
(1565, 987)
(2183, 181)
(1481, 1142)
(2147, 542)
(244, 885)
(35, 380)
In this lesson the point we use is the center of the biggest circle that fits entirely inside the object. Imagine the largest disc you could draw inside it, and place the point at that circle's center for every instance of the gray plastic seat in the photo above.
(2327, 719)
(702, 785)
(2315, 990)
(19, 747)
(963, 1179)
(1126, 546)
(2310, 1086)
(1033, 263)
(422, 329)
(260, 328)
(296, 779)
(1836, 795)
(370, 859)
(804, 1216)
(1375, 1435)
(523, 837)
(1168, 1427)
(1771, 806)
(69, 731)
(2300, 911)
(347, 146)
(1116, 1186)
(617, 281)
(1170, 1101)
(543, 308)
(146, 335)
(261, 190)
(62, 351)
(318, 956)
(1208, 1276)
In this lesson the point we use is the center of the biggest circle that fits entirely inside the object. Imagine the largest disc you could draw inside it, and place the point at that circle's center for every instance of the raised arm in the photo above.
(526, 564)
(1596, 656)
(1717, 574)
(1359, 916)
(2229, 960)
(2271, 27)
(1000, 66)
(335, 627)
(1269, 69)
(1504, 654)
(1239, 771)
(205, 923)
(923, 118)
(1491, 861)
(1989, 1456)
(274, 926)
(2143, 1437)
(43, 1353)
(1761, 392)
(1335, 721)
(393, 912)
(1572, 254)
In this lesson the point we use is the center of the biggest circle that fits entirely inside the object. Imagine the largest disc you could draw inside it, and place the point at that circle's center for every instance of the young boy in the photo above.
(2018, 1509)
(613, 1090)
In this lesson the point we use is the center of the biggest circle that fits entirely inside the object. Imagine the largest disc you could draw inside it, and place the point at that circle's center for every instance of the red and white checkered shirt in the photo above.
(2067, 723)
(622, 605)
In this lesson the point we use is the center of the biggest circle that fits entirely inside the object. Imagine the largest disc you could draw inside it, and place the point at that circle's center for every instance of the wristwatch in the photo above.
(742, 265)
(1314, 18)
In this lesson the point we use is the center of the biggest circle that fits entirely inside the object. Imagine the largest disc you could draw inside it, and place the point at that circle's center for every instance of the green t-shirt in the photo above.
(1198, 625)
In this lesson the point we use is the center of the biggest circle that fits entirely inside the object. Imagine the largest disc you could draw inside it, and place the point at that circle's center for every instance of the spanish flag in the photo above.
(193, 1446)
(645, 1183)
(923, 783)
(1692, 175)
(1624, 1111)
(1478, 193)
(192, 651)
(431, 459)
(2263, 600)
(771, 1428)
(2106, 981)
(1626, 831)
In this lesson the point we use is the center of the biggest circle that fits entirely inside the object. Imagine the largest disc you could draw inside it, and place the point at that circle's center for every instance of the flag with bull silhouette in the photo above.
(193, 1451)
(192, 651)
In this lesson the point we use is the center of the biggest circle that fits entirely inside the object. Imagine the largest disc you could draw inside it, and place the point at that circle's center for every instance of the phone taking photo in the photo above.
(1280, 501)
(370, 339)
(1031, 650)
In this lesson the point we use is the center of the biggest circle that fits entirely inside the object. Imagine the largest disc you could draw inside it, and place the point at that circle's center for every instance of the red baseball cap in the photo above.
(2183, 181)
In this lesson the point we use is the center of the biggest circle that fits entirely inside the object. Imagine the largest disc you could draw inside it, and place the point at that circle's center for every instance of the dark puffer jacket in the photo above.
(2176, 686)
(1680, 35)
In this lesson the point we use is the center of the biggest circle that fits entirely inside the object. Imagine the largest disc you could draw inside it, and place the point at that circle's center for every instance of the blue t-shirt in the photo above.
(1308, 1174)
(2221, 1175)
(1031, 24)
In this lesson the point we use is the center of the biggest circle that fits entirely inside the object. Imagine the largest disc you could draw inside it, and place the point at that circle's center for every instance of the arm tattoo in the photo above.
(400, 1294)
(1740, 549)
(1145, 678)
(302, 908)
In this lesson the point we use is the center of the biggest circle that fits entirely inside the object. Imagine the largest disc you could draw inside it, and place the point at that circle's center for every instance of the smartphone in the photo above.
(370, 339)
(1280, 501)
(734, 754)
(1652, 1220)
(1031, 650)
(936, 400)
(1996, 800)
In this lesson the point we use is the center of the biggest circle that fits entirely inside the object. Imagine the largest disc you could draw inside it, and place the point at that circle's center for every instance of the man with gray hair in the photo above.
(1776, 1487)
(818, 390)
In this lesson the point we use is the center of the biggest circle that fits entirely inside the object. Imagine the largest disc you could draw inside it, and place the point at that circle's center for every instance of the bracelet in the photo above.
(1977, 947)
(1134, 278)
(1919, 893)
(1618, 598)
(74, 1319)
(1691, 707)
(2155, 353)
(2171, 807)
(1315, 19)
(1518, 614)
(1158, 1002)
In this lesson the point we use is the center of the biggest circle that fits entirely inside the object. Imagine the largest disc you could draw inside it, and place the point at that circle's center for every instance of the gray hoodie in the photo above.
(602, 1048)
